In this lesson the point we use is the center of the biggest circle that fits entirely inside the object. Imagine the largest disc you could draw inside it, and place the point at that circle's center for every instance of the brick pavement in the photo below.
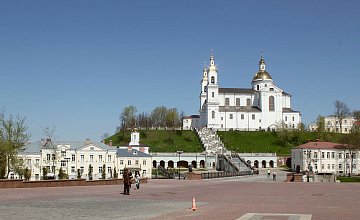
(235, 198)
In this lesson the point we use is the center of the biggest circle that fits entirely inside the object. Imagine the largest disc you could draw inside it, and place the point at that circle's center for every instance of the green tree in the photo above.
(27, 174)
(90, 172)
(78, 173)
(351, 144)
(103, 173)
(44, 173)
(115, 173)
(13, 137)
(62, 175)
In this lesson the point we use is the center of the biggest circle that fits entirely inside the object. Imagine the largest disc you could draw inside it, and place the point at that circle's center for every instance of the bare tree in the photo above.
(351, 144)
(341, 112)
(158, 116)
(356, 114)
(128, 117)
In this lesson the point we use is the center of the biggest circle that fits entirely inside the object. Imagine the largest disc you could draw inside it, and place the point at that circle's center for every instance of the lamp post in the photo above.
(308, 158)
(179, 152)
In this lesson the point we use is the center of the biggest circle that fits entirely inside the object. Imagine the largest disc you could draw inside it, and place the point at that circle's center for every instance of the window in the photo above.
(322, 166)
(333, 155)
(144, 172)
(121, 172)
(222, 118)
(315, 155)
(29, 162)
(242, 116)
(121, 162)
(212, 80)
(333, 166)
(328, 167)
(81, 170)
(237, 102)
(82, 158)
(316, 166)
(257, 87)
(109, 170)
(285, 118)
(322, 154)
(91, 158)
(109, 158)
(271, 104)
(271, 89)
(253, 116)
(231, 116)
(227, 102)
(129, 162)
(213, 114)
(347, 155)
(63, 153)
(328, 155)
(53, 157)
(345, 129)
(293, 118)
(63, 163)
(247, 102)
(47, 156)
(144, 162)
(136, 162)
(204, 88)
(73, 169)
(340, 155)
(213, 94)
(37, 161)
(100, 170)
(100, 158)
(73, 157)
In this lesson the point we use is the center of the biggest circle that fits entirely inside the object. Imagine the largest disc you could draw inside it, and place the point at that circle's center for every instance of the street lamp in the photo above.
(179, 152)
(308, 158)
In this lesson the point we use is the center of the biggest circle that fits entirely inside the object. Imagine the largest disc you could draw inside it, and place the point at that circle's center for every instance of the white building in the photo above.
(191, 122)
(72, 156)
(260, 107)
(332, 124)
(324, 157)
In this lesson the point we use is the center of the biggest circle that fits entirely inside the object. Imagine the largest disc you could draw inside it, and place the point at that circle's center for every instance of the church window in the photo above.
(231, 116)
(213, 114)
(212, 80)
(222, 118)
(242, 116)
(247, 102)
(271, 104)
(213, 94)
(237, 102)
(253, 116)
(227, 102)
(257, 87)
(293, 118)
(285, 118)
(204, 88)
(271, 89)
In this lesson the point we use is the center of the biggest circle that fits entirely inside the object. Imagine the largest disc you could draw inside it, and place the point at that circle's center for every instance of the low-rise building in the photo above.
(191, 122)
(325, 158)
(332, 124)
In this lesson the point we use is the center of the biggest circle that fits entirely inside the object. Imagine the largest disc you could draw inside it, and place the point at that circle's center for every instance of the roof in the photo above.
(131, 153)
(319, 145)
(239, 109)
(236, 90)
(285, 93)
(262, 75)
(289, 110)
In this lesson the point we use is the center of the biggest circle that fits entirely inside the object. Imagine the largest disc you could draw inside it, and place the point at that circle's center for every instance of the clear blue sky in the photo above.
(76, 64)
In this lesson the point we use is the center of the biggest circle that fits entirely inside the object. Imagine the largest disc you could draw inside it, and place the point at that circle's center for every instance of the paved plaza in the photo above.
(242, 198)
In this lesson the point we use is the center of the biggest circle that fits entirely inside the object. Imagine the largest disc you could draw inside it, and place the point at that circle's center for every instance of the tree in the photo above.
(172, 118)
(158, 116)
(341, 112)
(27, 174)
(128, 117)
(320, 123)
(13, 137)
(351, 144)
(78, 173)
(49, 134)
(62, 175)
(115, 173)
(44, 173)
(103, 172)
(90, 172)
(356, 114)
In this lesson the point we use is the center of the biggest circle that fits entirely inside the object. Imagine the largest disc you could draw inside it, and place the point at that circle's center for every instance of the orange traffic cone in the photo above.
(193, 207)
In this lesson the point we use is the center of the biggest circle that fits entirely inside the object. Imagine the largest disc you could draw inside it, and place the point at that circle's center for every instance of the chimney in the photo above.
(129, 149)
(110, 143)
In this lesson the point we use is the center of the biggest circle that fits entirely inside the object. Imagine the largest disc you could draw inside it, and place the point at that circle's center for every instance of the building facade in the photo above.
(191, 122)
(325, 158)
(260, 107)
(74, 156)
(331, 124)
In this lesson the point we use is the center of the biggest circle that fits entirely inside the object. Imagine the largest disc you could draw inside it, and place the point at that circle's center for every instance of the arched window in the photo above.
(257, 87)
(227, 102)
(212, 80)
(204, 88)
(271, 104)
(237, 102)
(213, 114)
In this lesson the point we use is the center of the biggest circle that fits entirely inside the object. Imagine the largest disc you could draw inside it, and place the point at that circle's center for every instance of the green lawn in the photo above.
(350, 179)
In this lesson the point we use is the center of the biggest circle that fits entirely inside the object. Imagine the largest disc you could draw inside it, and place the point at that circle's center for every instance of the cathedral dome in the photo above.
(261, 75)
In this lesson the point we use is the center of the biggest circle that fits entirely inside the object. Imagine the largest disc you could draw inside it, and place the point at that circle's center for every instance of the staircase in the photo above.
(240, 163)
(165, 172)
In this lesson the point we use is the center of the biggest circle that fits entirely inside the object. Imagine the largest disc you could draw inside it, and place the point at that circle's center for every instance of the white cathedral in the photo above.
(261, 107)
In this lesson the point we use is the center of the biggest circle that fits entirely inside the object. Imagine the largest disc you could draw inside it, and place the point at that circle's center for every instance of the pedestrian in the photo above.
(268, 173)
(126, 181)
(274, 176)
(137, 179)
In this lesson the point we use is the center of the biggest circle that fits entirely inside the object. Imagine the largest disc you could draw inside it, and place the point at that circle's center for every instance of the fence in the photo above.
(223, 174)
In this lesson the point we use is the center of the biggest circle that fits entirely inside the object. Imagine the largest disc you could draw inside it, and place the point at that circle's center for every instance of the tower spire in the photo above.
(262, 66)
(212, 60)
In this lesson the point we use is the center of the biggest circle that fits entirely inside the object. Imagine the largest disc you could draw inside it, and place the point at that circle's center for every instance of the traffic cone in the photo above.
(193, 207)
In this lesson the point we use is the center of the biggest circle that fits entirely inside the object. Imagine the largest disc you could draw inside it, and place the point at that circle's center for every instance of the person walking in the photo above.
(274, 176)
(126, 181)
(268, 173)
(137, 179)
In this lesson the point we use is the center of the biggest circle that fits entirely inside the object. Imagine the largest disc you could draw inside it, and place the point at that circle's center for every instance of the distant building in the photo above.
(191, 122)
(72, 156)
(260, 107)
(332, 124)
(324, 157)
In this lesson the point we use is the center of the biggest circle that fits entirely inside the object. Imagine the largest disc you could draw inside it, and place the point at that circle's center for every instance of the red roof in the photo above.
(319, 145)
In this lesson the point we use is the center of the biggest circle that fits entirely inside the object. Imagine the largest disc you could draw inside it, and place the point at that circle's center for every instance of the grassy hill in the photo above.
(238, 141)
(162, 140)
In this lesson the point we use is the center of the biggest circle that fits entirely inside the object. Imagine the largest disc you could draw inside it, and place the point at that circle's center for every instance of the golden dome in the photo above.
(261, 75)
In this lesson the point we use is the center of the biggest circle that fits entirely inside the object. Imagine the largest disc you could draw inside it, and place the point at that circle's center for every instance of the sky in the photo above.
(74, 65)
